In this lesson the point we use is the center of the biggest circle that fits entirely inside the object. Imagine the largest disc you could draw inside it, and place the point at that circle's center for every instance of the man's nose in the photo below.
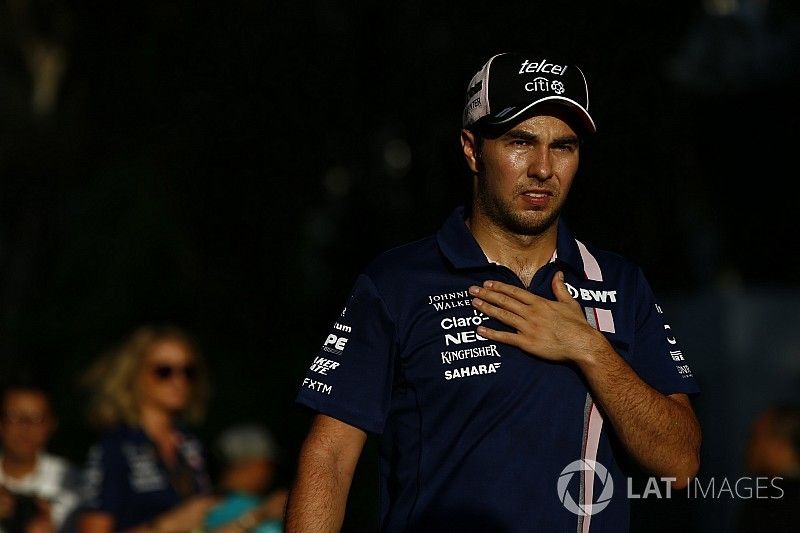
(540, 167)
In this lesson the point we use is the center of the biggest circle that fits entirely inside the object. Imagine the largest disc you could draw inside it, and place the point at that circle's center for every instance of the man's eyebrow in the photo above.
(526, 135)
(521, 134)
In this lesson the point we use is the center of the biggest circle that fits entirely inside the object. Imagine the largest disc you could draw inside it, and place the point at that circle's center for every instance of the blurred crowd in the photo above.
(147, 470)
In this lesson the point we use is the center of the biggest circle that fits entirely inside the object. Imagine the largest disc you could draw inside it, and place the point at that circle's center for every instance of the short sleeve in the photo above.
(350, 377)
(104, 480)
(657, 355)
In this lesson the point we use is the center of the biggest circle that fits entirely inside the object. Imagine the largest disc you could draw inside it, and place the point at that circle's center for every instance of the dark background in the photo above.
(230, 167)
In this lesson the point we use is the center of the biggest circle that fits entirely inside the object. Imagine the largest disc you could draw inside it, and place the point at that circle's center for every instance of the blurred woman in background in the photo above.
(147, 471)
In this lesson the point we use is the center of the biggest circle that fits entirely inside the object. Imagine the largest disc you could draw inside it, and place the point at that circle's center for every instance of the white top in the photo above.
(54, 479)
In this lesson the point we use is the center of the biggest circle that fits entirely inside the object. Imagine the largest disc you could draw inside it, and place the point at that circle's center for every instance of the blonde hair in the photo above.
(112, 378)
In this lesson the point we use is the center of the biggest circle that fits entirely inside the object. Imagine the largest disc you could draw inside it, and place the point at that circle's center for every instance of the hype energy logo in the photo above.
(595, 469)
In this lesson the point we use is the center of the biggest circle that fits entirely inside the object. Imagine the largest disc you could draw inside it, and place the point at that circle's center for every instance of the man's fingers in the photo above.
(500, 299)
(506, 317)
(560, 289)
(517, 293)
(561, 292)
(505, 337)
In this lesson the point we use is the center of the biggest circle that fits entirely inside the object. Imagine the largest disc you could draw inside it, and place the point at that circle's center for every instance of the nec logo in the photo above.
(589, 295)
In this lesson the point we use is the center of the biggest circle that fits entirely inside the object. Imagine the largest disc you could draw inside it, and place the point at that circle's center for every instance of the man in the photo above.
(38, 491)
(502, 362)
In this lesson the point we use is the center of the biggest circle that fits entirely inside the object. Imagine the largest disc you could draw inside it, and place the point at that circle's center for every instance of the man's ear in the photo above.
(470, 147)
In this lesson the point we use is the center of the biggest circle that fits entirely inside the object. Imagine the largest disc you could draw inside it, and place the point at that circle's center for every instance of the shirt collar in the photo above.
(459, 246)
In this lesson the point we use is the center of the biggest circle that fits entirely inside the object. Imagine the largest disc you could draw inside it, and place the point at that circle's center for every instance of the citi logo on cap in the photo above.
(544, 85)
(530, 67)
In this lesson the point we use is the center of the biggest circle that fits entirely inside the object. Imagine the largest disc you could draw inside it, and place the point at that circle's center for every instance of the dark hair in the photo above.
(26, 379)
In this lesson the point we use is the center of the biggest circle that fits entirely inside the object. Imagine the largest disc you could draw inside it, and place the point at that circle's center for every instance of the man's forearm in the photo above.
(660, 432)
(326, 465)
(318, 497)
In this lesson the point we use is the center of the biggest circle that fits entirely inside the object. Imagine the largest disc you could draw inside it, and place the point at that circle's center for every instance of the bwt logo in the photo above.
(589, 295)
(580, 466)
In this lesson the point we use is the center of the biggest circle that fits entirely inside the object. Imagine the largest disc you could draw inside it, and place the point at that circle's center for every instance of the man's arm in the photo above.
(660, 432)
(327, 461)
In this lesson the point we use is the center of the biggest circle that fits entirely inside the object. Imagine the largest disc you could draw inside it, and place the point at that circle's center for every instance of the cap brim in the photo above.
(586, 120)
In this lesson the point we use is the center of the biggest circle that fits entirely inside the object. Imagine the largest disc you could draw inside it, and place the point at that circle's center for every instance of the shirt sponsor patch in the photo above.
(474, 370)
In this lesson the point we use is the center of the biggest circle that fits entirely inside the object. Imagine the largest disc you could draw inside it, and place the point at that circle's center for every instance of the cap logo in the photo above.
(511, 86)
(474, 89)
(545, 85)
(530, 67)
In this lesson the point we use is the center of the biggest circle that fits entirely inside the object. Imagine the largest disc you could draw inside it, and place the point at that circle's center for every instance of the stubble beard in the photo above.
(503, 214)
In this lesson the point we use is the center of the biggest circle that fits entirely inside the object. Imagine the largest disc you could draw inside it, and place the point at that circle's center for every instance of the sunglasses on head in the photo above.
(165, 372)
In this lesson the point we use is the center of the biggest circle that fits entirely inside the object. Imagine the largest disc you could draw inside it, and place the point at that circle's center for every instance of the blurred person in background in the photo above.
(39, 491)
(147, 472)
(773, 451)
(249, 460)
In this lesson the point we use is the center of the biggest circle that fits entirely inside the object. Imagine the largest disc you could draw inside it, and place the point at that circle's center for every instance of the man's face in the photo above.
(26, 423)
(524, 175)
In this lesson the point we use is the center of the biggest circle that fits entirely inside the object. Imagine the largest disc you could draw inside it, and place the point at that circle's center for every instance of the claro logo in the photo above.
(589, 295)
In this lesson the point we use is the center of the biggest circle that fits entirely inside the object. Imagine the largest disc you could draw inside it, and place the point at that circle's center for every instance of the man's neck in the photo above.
(523, 254)
(18, 468)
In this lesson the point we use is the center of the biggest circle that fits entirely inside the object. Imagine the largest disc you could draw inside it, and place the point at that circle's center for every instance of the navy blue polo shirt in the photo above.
(476, 435)
(125, 476)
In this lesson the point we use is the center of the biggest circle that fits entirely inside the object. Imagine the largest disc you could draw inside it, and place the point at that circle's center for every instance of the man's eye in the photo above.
(519, 142)
(568, 147)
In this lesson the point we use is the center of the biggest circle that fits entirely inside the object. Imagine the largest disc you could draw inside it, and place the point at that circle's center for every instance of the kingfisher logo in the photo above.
(595, 469)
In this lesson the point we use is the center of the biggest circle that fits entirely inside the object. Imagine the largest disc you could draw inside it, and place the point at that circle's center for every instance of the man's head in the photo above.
(26, 421)
(523, 121)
